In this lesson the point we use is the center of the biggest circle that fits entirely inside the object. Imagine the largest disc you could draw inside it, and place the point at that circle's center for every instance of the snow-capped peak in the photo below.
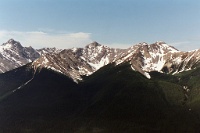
(76, 62)
(93, 45)
(12, 41)
(13, 55)
(43, 51)
(85, 61)
(160, 42)
(11, 44)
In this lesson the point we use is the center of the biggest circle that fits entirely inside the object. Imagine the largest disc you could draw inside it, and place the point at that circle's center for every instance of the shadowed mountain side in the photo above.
(47, 97)
(113, 99)
(128, 102)
(191, 80)
(12, 80)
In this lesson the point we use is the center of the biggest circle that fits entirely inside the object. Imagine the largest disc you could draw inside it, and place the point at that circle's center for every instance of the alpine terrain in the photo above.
(97, 89)
(143, 58)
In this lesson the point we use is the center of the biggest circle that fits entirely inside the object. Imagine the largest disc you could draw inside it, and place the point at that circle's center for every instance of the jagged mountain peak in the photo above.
(76, 62)
(143, 44)
(160, 42)
(14, 55)
(143, 57)
(92, 45)
(46, 50)
(165, 46)
(157, 45)
(11, 43)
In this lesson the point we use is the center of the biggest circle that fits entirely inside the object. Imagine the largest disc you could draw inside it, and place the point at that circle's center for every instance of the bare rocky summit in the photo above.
(14, 55)
(143, 58)
(76, 62)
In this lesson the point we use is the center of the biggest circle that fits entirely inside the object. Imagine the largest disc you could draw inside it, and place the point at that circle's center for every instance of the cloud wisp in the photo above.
(39, 39)
(185, 45)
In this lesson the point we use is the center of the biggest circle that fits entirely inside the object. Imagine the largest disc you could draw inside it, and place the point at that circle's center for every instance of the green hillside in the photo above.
(115, 99)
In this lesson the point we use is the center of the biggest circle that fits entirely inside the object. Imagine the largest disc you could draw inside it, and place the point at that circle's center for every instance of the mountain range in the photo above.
(98, 89)
(77, 62)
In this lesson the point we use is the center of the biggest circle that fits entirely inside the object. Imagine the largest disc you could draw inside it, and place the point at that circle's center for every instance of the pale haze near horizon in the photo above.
(119, 23)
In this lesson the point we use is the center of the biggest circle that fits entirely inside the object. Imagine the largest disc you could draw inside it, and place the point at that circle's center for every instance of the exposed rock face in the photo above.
(142, 57)
(77, 62)
(43, 51)
(182, 61)
(13, 55)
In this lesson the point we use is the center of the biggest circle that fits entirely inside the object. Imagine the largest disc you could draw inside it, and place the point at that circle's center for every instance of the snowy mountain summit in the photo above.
(143, 58)
(76, 62)
(14, 55)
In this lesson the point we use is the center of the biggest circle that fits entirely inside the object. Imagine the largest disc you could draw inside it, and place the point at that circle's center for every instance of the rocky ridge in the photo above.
(77, 62)
(143, 58)
(14, 55)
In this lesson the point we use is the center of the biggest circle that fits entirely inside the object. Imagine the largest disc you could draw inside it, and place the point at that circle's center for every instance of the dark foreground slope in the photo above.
(36, 106)
(114, 99)
(12, 80)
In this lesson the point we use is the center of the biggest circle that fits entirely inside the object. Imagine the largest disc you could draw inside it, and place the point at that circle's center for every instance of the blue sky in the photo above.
(116, 23)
